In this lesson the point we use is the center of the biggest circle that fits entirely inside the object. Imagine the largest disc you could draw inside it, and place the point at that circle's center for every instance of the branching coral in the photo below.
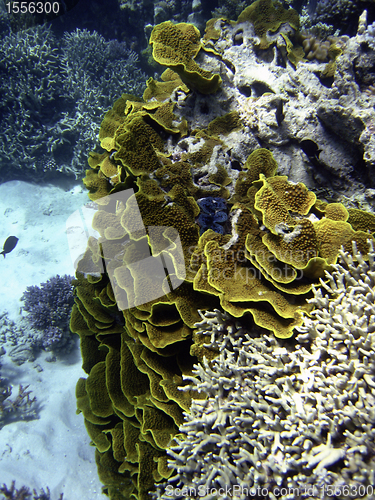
(95, 72)
(281, 415)
(29, 66)
(19, 408)
(49, 307)
(24, 493)
(176, 46)
(53, 95)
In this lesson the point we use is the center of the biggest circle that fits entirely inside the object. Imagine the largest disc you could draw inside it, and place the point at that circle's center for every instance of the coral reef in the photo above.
(309, 102)
(21, 407)
(164, 154)
(53, 95)
(281, 250)
(267, 17)
(176, 46)
(49, 307)
(343, 14)
(22, 340)
(294, 416)
(29, 95)
(24, 493)
(95, 71)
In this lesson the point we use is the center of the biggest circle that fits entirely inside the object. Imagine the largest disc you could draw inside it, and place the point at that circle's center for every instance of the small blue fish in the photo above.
(9, 245)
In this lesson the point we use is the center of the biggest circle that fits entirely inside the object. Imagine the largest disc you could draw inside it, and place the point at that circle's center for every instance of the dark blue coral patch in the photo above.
(213, 214)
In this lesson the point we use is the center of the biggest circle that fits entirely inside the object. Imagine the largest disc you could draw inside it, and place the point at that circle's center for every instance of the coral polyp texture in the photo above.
(285, 417)
(234, 170)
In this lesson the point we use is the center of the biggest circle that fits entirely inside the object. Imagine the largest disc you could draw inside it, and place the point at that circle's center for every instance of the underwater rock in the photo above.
(335, 112)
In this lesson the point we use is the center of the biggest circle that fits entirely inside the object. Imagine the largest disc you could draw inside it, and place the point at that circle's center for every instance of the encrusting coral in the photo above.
(285, 416)
(267, 16)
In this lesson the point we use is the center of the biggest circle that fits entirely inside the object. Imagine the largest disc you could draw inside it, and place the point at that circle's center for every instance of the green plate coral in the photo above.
(176, 46)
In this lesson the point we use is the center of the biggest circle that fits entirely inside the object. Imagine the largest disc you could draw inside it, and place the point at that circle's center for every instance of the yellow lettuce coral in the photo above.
(176, 46)
(267, 15)
(136, 322)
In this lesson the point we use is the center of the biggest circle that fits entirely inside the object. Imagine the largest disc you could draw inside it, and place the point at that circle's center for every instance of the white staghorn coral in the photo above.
(281, 415)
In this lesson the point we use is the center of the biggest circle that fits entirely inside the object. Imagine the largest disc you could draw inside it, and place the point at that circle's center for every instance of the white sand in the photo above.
(54, 449)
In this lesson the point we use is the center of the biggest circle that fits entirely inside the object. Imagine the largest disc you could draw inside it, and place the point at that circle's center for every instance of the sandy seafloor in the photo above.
(54, 449)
